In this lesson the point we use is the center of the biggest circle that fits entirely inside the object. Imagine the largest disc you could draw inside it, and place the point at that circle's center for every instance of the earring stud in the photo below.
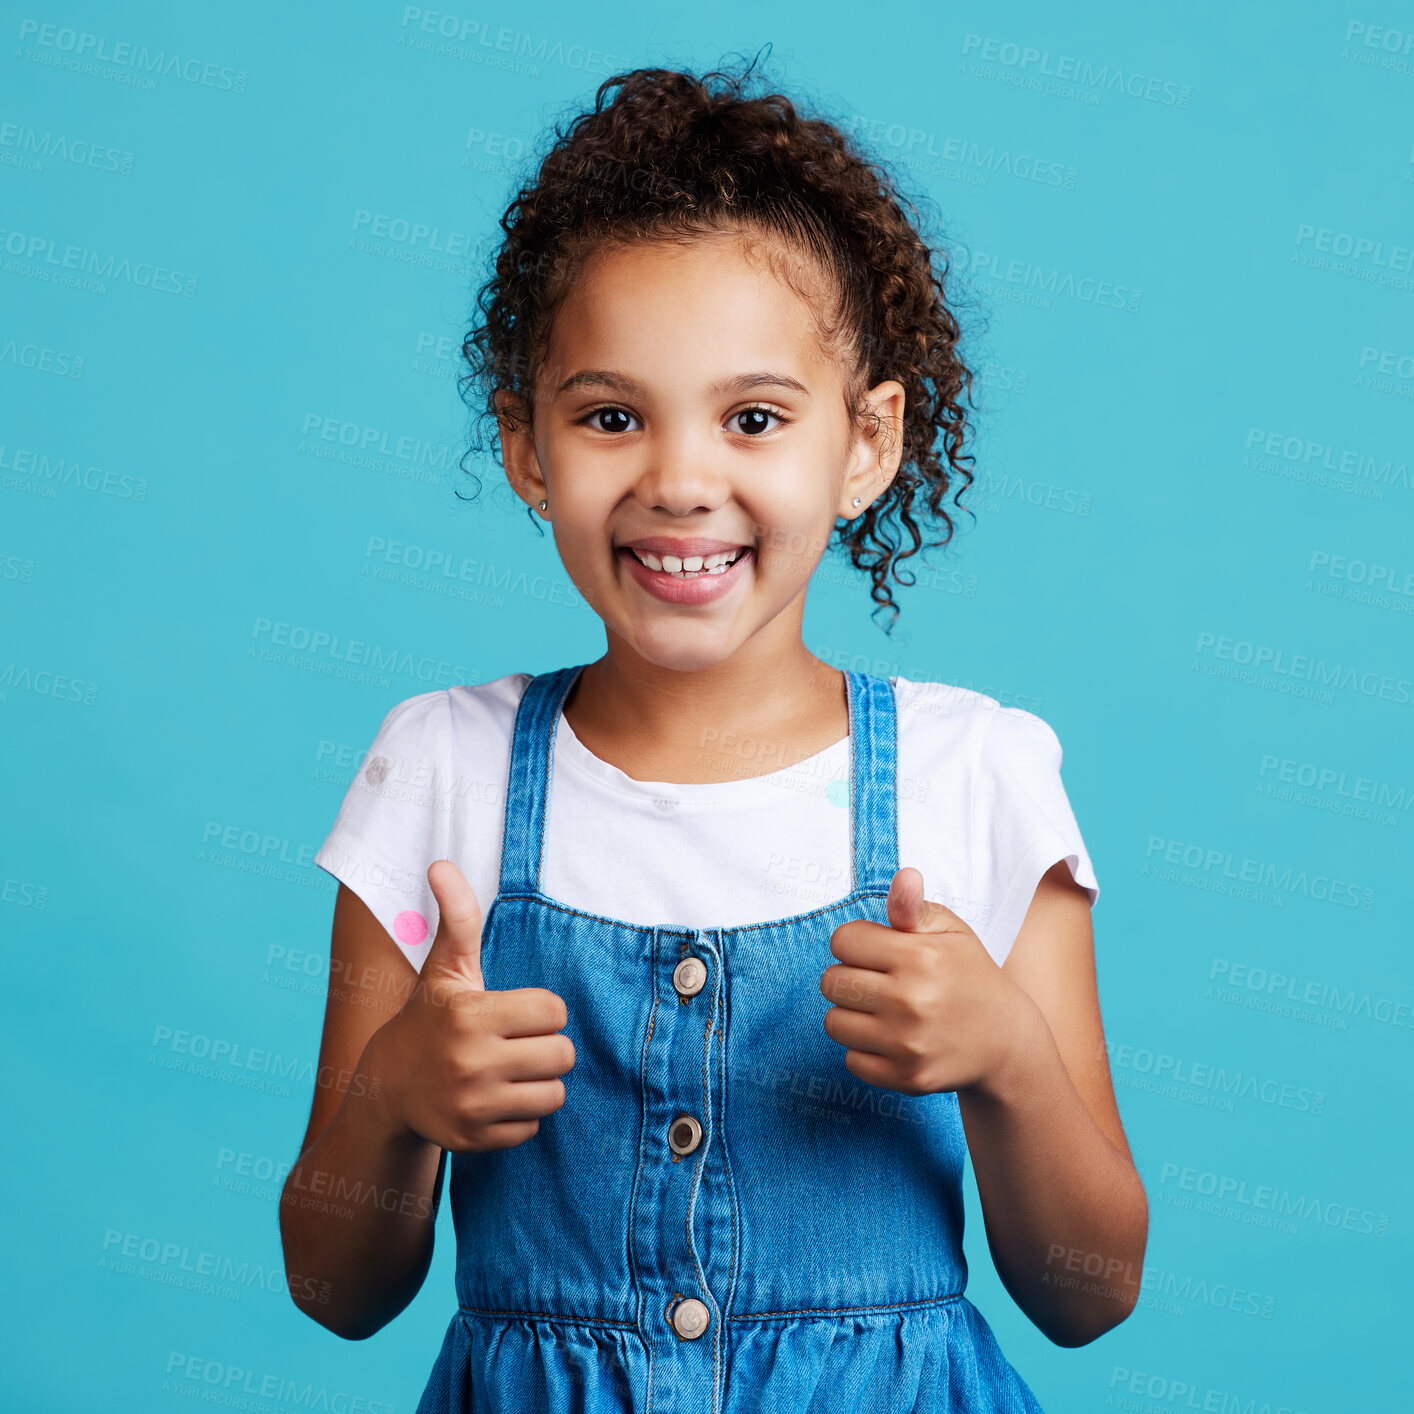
(856, 500)
(543, 504)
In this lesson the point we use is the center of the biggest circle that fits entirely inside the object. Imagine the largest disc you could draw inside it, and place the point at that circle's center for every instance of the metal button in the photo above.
(684, 1134)
(689, 976)
(690, 1318)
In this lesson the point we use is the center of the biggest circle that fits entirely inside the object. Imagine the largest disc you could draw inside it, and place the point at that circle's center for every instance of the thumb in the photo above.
(456, 950)
(910, 912)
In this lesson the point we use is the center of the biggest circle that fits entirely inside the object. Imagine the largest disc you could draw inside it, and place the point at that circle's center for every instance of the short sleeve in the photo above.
(1022, 823)
(393, 822)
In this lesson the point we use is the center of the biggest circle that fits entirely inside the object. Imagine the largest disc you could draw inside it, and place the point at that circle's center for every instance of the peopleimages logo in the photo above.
(1380, 46)
(1396, 578)
(217, 1382)
(61, 471)
(39, 358)
(1261, 873)
(415, 233)
(917, 144)
(1385, 370)
(1346, 243)
(1211, 1076)
(1337, 781)
(1263, 1198)
(1287, 989)
(1342, 469)
(83, 50)
(45, 258)
(461, 37)
(1185, 1394)
(321, 645)
(1104, 78)
(24, 146)
(1038, 283)
(1278, 661)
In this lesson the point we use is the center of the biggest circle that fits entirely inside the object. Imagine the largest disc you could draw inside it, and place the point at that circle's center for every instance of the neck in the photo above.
(761, 715)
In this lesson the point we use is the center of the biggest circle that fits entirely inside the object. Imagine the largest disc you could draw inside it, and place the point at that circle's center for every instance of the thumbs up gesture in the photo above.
(467, 1068)
(921, 1007)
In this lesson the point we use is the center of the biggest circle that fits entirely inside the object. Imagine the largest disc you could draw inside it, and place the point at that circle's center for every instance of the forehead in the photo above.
(702, 307)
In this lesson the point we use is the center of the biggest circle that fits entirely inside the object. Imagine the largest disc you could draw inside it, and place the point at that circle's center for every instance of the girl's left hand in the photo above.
(921, 1005)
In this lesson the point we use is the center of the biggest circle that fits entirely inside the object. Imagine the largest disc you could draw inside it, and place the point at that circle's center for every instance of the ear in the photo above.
(877, 450)
(518, 454)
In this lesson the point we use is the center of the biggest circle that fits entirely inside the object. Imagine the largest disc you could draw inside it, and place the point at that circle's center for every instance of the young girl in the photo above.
(709, 963)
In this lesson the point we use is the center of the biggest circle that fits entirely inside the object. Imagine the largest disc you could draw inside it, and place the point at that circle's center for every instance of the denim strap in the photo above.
(873, 781)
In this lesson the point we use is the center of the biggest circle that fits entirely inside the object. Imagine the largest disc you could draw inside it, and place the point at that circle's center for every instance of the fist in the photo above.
(921, 1007)
(468, 1068)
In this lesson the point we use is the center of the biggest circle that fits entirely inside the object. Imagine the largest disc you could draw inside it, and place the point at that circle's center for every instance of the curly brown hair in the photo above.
(673, 156)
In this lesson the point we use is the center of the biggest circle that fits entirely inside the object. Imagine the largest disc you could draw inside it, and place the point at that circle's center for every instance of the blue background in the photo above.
(1185, 490)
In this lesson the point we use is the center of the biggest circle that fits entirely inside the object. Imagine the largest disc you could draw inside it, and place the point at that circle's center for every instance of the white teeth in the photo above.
(690, 564)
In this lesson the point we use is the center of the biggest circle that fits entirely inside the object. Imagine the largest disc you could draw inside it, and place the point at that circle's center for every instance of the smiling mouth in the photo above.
(691, 566)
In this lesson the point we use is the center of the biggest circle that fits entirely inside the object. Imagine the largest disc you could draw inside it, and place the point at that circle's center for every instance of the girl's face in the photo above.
(685, 398)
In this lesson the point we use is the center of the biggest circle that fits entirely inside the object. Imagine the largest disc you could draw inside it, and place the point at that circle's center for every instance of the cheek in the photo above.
(795, 531)
(579, 516)
(784, 543)
(786, 556)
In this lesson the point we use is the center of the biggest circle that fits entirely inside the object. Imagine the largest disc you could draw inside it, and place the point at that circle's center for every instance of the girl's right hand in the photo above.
(462, 1067)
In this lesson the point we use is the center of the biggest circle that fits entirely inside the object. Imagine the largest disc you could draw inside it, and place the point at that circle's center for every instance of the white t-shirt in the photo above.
(982, 816)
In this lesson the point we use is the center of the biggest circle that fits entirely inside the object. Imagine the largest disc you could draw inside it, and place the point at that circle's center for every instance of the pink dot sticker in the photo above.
(410, 928)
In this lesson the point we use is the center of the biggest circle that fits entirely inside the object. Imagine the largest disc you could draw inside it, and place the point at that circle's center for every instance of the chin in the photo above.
(679, 651)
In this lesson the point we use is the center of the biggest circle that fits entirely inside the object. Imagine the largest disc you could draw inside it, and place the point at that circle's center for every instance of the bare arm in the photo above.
(357, 1210)
(413, 1065)
(1066, 1214)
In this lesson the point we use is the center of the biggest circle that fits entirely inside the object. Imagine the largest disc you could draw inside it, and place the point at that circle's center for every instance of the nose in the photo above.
(680, 474)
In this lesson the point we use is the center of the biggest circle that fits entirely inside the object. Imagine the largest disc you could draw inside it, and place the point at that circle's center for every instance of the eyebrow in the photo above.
(620, 383)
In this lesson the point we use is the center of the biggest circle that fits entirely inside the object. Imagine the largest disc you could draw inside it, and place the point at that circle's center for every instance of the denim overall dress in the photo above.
(720, 1218)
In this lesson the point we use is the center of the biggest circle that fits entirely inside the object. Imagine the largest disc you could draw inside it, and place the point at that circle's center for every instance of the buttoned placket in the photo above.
(675, 1218)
